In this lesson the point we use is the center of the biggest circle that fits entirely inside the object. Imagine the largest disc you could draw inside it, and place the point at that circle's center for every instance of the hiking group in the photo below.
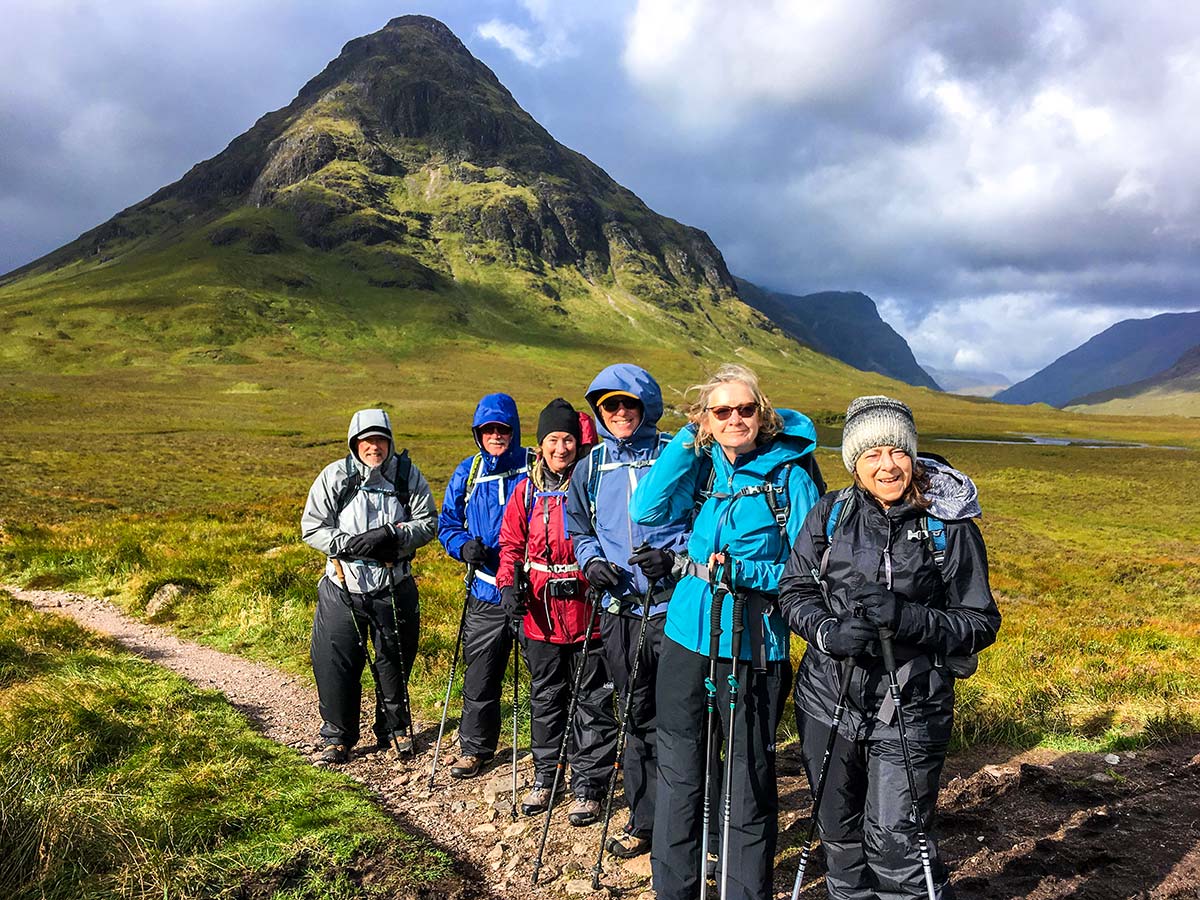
(651, 583)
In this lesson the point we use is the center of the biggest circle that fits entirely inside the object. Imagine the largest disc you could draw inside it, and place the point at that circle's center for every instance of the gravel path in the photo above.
(470, 819)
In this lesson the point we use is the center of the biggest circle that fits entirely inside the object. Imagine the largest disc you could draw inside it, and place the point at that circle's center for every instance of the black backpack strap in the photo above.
(403, 470)
(347, 491)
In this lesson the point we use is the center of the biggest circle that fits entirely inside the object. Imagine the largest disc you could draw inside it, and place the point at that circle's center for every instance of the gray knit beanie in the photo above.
(877, 422)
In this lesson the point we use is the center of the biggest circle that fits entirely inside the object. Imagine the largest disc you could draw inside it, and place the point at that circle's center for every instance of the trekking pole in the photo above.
(710, 689)
(404, 668)
(364, 634)
(623, 733)
(462, 622)
(739, 604)
(562, 747)
(818, 789)
(889, 663)
(519, 585)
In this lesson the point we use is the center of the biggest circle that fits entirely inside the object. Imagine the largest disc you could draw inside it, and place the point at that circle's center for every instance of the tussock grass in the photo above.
(120, 779)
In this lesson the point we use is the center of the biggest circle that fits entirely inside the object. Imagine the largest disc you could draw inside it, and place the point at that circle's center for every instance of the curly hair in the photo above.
(770, 422)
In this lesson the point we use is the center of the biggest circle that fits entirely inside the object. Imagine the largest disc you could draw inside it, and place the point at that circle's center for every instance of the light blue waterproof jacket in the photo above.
(476, 512)
(614, 469)
(745, 524)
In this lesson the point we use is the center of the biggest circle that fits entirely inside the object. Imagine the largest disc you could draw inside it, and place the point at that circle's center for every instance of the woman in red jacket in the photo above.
(555, 634)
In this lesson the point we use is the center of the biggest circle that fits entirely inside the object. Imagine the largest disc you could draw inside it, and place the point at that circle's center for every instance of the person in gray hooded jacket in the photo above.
(368, 513)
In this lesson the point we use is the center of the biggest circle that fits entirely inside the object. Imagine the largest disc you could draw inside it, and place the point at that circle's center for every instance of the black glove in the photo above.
(880, 607)
(381, 544)
(603, 575)
(849, 637)
(512, 601)
(655, 564)
(475, 553)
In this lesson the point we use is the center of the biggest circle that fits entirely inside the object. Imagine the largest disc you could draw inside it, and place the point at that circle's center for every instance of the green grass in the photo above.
(118, 778)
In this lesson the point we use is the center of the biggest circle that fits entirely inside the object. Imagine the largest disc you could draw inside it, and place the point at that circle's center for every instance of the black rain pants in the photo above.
(338, 655)
(640, 763)
(675, 855)
(487, 643)
(592, 745)
(865, 821)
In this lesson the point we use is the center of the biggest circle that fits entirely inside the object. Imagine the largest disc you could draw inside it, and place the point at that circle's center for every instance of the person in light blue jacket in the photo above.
(757, 462)
(627, 402)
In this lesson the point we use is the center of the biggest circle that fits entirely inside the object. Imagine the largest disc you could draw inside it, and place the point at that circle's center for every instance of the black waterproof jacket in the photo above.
(950, 611)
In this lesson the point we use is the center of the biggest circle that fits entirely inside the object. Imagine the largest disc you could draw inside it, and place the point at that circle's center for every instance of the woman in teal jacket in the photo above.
(756, 461)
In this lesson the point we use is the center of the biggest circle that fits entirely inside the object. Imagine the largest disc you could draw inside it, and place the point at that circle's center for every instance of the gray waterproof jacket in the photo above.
(950, 610)
(375, 503)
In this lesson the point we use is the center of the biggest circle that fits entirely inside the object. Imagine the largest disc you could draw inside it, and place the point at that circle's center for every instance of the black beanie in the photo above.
(559, 415)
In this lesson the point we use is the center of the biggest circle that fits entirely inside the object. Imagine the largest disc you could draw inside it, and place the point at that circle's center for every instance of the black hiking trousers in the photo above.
(675, 855)
(592, 744)
(640, 763)
(487, 643)
(865, 822)
(338, 657)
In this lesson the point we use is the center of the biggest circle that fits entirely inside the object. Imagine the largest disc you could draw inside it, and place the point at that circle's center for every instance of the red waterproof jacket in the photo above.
(533, 535)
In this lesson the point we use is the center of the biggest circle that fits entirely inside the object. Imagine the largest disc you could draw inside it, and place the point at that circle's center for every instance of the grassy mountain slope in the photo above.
(403, 199)
(1175, 392)
(842, 324)
(1122, 354)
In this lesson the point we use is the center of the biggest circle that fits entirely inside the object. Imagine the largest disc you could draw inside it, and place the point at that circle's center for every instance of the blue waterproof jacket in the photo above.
(612, 471)
(746, 524)
(476, 512)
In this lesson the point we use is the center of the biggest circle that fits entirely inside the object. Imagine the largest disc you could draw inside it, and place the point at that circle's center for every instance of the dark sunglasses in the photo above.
(494, 428)
(745, 411)
(612, 404)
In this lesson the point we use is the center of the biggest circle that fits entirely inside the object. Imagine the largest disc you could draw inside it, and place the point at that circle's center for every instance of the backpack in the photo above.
(932, 531)
(596, 469)
(474, 478)
(354, 481)
(775, 491)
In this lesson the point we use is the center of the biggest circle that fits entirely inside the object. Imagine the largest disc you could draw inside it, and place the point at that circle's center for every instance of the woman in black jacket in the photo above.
(897, 552)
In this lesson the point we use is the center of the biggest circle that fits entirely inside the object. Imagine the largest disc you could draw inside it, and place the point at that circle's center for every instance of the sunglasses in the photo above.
(494, 428)
(612, 404)
(744, 411)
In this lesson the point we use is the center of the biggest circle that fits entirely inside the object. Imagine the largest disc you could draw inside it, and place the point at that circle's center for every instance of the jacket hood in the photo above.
(799, 436)
(370, 420)
(952, 494)
(634, 380)
(503, 409)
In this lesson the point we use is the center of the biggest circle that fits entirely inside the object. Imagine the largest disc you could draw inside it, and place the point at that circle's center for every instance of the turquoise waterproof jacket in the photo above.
(744, 523)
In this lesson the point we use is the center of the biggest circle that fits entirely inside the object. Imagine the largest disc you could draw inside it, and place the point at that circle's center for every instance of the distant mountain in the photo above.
(843, 324)
(1127, 352)
(1173, 392)
(973, 383)
(401, 202)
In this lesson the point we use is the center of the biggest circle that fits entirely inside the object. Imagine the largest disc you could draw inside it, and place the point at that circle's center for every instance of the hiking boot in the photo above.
(710, 866)
(583, 812)
(466, 766)
(627, 846)
(335, 754)
(536, 801)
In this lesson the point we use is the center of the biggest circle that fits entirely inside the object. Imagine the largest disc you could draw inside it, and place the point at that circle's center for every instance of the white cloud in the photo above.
(516, 40)
(553, 28)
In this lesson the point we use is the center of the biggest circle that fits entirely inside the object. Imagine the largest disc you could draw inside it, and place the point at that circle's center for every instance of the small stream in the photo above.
(1045, 440)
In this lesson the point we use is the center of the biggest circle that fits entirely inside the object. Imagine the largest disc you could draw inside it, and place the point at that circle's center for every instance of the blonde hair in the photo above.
(770, 422)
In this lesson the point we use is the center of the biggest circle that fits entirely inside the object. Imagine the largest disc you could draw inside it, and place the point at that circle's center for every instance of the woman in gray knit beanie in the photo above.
(895, 557)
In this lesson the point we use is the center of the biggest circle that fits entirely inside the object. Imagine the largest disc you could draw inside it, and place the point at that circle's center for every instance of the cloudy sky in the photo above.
(1005, 179)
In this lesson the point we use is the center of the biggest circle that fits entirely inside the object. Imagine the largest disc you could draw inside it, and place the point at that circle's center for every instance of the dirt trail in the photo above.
(1040, 825)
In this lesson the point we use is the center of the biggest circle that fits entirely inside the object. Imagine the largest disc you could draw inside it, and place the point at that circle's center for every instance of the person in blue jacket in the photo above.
(469, 529)
(760, 491)
(627, 402)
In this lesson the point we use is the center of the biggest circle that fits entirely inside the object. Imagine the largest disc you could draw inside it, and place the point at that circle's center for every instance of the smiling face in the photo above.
(622, 416)
(494, 437)
(373, 450)
(885, 472)
(558, 450)
(736, 433)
